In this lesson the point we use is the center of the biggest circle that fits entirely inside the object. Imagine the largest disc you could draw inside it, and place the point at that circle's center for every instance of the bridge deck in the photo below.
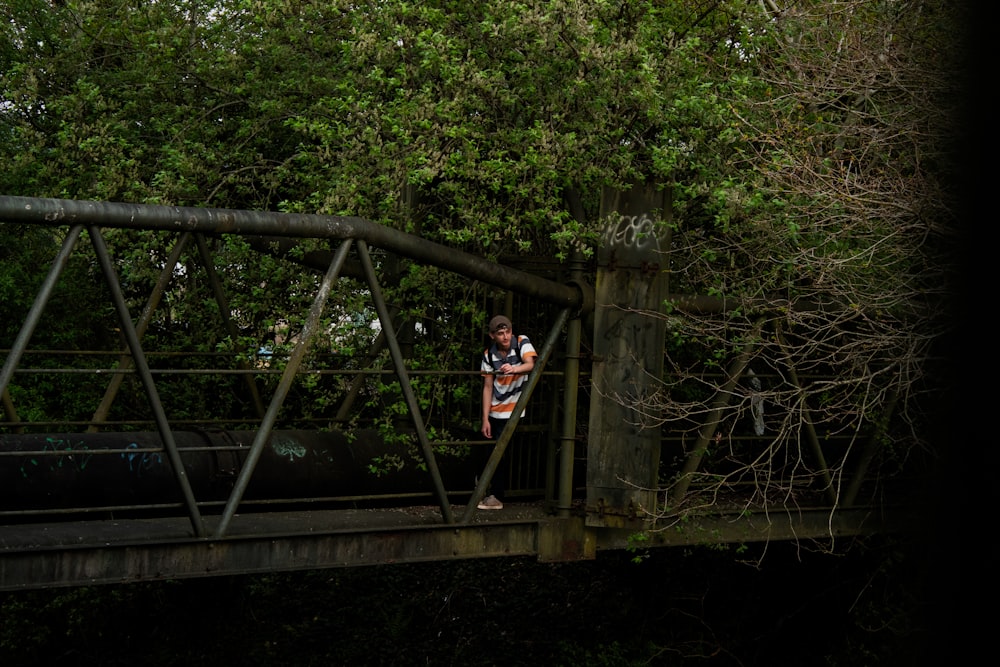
(123, 550)
(131, 550)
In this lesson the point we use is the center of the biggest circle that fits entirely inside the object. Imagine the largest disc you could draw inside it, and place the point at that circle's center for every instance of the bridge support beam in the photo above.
(130, 551)
(126, 551)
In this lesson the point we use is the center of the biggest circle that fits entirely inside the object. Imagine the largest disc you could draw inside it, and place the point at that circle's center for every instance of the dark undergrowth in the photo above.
(876, 604)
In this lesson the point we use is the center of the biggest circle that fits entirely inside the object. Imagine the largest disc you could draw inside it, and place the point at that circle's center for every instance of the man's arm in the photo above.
(487, 403)
(526, 365)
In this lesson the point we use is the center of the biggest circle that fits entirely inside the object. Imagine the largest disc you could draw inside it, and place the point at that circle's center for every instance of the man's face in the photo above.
(502, 338)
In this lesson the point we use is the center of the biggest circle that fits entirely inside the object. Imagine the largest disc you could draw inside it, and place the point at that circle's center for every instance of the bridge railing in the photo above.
(215, 467)
(386, 431)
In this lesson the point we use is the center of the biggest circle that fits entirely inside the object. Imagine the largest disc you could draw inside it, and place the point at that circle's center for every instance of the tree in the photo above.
(470, 129)
(804, 146)
(831, 235)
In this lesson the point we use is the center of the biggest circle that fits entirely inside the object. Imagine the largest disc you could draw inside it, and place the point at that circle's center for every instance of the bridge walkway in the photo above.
(119, 551)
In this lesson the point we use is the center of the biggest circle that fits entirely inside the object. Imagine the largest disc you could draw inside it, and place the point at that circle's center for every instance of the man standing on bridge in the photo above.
(505, 367)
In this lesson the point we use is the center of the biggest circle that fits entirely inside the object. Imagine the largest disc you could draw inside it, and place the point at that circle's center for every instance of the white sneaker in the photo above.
(490, 503)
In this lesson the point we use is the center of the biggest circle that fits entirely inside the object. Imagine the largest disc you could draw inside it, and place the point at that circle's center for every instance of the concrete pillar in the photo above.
(623, 447)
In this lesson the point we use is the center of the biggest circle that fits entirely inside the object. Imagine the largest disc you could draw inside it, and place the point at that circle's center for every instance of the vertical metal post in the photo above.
(284, 386)
(35, 313)
(404, 381)
(519, 407)
(552, 444)
(571, 385)
(567, 449)
(139, 358)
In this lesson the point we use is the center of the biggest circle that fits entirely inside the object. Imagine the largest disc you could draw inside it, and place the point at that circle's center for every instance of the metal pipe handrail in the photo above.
(45, 211)
(248, 371)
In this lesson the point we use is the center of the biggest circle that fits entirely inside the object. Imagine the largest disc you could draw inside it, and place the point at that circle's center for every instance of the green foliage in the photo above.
(817, 193)
(384, 465)
(635, 542)
(805, 152)
(468, 130)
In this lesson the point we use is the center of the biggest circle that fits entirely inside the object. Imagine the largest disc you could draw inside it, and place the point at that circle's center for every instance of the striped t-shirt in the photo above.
(506, 388)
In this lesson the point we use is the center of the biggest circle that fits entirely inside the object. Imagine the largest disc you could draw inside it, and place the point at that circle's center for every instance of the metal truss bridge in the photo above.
(169, 493)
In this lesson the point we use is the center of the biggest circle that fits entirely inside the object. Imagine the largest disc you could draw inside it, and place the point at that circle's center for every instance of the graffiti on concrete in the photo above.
(632, 232)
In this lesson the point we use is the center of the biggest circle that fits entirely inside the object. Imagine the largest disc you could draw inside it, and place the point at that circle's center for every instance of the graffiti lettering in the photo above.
(75, 460)
(140, 461)
(632, 231)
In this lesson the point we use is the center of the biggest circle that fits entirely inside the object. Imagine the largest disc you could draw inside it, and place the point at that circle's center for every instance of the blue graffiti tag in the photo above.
(137, 462)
